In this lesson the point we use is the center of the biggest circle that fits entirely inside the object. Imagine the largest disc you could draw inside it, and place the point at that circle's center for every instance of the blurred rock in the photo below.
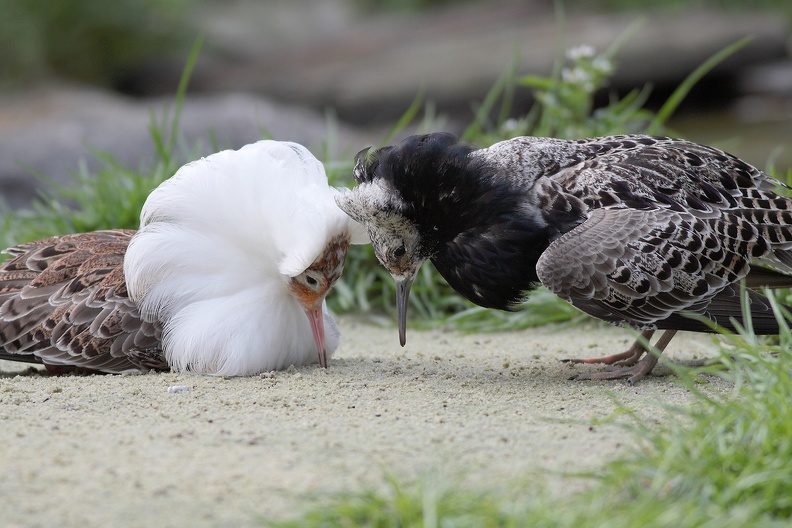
(768, 78)
(371, 68)
(55, 131)
(301, 57)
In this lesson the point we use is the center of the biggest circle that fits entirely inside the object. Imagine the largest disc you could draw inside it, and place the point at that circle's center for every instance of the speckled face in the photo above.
(311, 286)
(396, 245)
(396, 241)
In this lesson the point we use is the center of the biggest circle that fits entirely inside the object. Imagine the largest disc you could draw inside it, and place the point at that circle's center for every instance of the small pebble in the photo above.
(173, 389)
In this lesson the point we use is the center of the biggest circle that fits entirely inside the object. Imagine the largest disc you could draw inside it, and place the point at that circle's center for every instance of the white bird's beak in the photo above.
(317, 327)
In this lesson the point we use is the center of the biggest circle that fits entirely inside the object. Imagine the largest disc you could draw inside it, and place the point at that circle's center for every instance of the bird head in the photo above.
(399, 247)
(312, 286)
(401, 199)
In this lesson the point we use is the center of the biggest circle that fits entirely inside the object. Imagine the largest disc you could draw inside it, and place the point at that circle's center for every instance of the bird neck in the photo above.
(486, 245)
(475, 228)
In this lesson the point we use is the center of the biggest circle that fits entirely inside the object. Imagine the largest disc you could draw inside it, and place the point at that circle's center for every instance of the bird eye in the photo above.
(399, 252)
(311, 281)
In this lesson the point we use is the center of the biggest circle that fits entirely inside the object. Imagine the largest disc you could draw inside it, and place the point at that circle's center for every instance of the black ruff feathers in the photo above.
(468, 218)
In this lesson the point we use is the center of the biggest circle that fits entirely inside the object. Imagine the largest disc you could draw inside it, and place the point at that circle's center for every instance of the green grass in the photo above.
(726, 461)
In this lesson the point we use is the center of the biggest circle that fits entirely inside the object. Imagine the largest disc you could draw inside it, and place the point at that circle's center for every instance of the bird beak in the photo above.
(403, 285)
(317, 327)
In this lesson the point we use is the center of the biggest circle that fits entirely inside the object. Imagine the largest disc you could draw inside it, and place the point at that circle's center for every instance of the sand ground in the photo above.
(492, 409)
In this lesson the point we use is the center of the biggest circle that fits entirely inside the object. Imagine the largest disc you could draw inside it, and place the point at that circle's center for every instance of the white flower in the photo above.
(575, 75)
(584, 51)
(602, 65)
(509, 125)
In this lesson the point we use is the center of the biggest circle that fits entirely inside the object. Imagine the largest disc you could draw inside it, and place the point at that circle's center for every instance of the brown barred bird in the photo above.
(635, 230)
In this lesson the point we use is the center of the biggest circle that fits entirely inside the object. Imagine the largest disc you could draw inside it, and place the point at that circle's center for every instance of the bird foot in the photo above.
(637, 370)
(633, 373)
(625, 359)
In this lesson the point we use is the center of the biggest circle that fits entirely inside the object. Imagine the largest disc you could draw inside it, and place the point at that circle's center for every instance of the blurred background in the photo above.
(79, 77)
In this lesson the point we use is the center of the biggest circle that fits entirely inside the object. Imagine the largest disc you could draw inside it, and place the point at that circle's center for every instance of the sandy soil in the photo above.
(493, 409)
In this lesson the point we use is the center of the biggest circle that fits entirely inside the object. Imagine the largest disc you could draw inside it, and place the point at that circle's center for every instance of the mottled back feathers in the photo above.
(63, 300)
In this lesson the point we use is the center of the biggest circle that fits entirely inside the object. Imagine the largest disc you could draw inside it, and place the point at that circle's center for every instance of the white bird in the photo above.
(227, 275)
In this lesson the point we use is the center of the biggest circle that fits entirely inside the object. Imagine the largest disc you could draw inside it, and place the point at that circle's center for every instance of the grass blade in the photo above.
(676, 98)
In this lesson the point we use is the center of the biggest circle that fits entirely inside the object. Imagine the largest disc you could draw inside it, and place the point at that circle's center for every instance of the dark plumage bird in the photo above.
(635, 230)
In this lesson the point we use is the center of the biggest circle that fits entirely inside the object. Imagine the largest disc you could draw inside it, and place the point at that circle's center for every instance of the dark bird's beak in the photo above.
(317, 327)
(403, 285)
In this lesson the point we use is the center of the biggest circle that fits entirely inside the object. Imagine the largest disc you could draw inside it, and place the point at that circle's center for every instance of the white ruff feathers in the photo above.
(217, 245)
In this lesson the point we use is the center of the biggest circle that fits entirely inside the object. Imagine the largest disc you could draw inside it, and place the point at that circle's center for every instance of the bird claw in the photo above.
(627, 364)
(634, 373)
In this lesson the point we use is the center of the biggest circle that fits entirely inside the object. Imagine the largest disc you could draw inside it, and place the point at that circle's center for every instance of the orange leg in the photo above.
(635, 370)
(628, 358)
